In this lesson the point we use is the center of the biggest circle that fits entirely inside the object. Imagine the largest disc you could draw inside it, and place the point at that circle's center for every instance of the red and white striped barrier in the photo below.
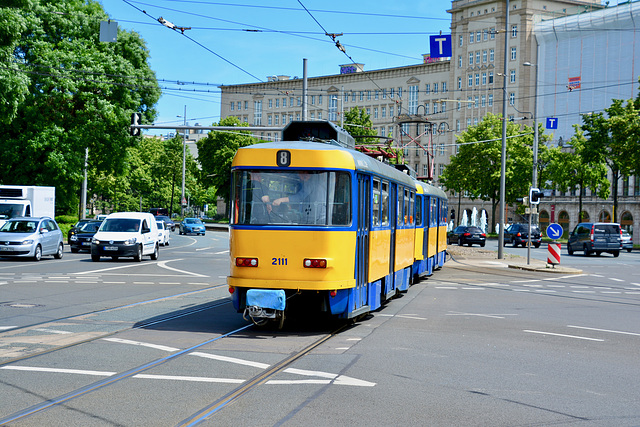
(553, 257)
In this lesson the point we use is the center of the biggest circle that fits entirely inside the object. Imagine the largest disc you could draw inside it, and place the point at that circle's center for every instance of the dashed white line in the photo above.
(604, 330)
(142, 344)
(563, 335)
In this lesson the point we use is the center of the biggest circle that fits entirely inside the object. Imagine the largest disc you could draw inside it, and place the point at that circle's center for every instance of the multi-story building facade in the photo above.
(449, 95)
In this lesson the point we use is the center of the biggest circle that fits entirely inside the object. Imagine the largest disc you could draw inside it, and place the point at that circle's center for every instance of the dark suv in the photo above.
(595, 237)
(518, 235)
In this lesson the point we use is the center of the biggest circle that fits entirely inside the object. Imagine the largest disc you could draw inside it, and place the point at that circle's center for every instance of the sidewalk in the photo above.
(487, 258)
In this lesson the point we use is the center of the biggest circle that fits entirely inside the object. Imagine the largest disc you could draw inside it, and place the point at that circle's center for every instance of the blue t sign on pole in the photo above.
(554, 231)
(440, 46)
(552, 123)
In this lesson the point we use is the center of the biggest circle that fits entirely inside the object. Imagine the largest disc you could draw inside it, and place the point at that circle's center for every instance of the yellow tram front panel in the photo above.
(404, 248)
(301, 158)
(281, 255)
(379, 251)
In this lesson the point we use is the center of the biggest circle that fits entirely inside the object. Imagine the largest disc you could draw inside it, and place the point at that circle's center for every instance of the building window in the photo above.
(435, 88)
(276, 119)
(232, 105)
(384, 112)
(490, 100)
(478, 57)
(390, 111)
(427, 88)
(512, 76)
(484, 78)
(435, 108)
(368, 95)
(478, 36)
(284, 103)
(319, 99)
(391, 93)
(426, 108)
(513, 53)
(319, 115)
(384, 94)
(514, 31)
(459, 61)
(491, 55)
(475, 101)
(375, 112)
(470, 58)
(483, 101)
(345, 97)
(376, 95)
(477, 79)
(269, 120)
(459, 82)
(333, 108)
(413, 100)
(246, 105)
(485, 34)
(270, 103)
(469, 102)
(468, 122)
(459, 106)
(484, 56)
(512, 98)
(277, 102)
(492, 32)
(460, 41)
(291, 101)
(490, 77)
(299, 101)
(361, 96)
(471, 36)
(475, 121)
(399, 92)
(470, 80)
(457, 125)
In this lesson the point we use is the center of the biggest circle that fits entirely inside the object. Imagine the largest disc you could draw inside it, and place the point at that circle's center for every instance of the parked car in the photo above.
(126, 234)
(81, 239)
(597, 237)
(31, 237)
(164, 234)
(518, 235)
(170, 224)
(627, 241)
(467, 235)
(192, 225)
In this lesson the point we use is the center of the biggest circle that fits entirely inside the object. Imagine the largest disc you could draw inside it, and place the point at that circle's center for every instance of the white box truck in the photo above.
(26, 200)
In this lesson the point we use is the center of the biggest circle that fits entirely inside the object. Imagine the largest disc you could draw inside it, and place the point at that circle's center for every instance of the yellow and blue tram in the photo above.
(318, 226)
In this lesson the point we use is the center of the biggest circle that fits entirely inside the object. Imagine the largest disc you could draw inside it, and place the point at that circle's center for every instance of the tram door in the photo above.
(393, 221)
(362, 244)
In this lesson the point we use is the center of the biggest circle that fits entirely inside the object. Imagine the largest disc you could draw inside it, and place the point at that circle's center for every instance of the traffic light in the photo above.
(535, 195)
(135, 120)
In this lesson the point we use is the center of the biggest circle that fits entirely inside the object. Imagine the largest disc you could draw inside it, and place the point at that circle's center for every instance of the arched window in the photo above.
(626, 221)
(604, 216)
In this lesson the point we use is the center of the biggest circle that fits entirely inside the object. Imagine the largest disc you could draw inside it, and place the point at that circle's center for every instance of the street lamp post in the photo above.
(534, 176)
(184, 160)
(503, 151)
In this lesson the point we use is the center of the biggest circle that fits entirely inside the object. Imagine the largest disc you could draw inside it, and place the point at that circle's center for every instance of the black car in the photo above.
(77, 226)
(81, 239)
(518, 235)
(467, 235)
(167, 221)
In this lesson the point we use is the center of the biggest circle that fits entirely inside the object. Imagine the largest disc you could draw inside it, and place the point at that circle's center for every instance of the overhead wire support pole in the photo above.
(503, 160)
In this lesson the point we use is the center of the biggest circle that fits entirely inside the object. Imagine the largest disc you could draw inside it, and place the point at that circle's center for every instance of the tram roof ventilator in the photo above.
(318, 131)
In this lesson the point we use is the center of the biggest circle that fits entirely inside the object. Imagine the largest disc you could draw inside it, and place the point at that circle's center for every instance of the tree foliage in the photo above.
(358, 123)
(62, 90)
(216, 151)
(476, 168)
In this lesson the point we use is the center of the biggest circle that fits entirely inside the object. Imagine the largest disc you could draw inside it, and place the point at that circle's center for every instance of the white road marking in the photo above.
(59, 370)
(604, 330)
(221, 253)
(493, 316)
(4, 328)
(231, 360)
(563, 335)
(163, 264)
(193, 379)
(142, 344)
(616, 280)
(52, 331)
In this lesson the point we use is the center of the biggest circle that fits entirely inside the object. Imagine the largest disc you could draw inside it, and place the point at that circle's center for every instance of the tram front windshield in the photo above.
(290, 197)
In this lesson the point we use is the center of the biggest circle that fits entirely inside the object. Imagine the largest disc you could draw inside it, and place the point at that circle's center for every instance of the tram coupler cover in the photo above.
(274, 299)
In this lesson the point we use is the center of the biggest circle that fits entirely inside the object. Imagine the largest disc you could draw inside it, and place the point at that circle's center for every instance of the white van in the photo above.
(126, 234)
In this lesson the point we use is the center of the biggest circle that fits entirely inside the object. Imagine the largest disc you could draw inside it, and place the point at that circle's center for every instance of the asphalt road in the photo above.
(157, 343)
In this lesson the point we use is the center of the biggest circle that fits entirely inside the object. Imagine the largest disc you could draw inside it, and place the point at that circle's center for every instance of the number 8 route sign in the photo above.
(554, 231)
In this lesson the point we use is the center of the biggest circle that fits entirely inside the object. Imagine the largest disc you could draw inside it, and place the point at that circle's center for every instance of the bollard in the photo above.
(553, 257)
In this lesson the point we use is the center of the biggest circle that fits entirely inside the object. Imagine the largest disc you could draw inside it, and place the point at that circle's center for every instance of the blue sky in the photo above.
(218, 49)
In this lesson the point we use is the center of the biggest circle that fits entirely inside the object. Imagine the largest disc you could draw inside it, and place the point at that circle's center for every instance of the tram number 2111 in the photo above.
(278, 261)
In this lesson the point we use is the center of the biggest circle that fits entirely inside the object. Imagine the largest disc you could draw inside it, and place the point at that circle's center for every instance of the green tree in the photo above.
(67, 91)
(568, 170)
(476, 168)
(216, 151)
(358, 123)
(612, 140)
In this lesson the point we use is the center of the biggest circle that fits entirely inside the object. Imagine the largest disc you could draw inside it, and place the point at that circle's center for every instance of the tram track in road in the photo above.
(5, 335)
(197, 416)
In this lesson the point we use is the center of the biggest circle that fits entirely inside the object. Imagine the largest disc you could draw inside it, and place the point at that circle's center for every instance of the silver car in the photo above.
(31, 238)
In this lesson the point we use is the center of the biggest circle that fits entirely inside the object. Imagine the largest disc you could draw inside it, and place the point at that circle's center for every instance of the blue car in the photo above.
(191, 226)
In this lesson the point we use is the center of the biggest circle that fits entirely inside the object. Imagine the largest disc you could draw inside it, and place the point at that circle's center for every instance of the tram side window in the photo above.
(434, 212)
(384, 196)
(376, 203)
(412, 197)
(418, 210)
(408, 217)
(400, 204)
